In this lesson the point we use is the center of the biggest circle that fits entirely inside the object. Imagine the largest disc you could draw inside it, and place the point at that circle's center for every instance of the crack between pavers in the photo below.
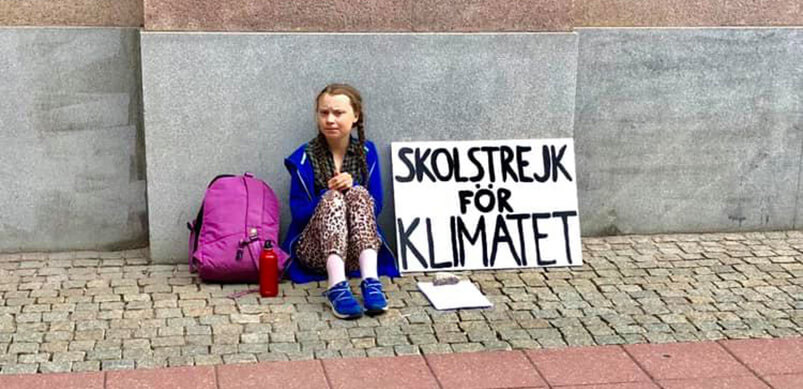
(799, 179)
(217, 377)
(760, 378)
(540, 375)
(325, 375)
(432, 371)
(640, 366)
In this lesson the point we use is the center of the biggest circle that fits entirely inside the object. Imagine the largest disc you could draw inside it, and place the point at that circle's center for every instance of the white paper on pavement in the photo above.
(461, 295)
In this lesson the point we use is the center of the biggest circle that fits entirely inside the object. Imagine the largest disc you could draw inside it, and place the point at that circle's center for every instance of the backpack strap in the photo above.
(191, 248)
(253, 218)
(195, 233)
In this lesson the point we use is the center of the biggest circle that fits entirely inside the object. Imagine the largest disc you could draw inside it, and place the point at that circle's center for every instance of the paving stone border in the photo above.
(91, 311)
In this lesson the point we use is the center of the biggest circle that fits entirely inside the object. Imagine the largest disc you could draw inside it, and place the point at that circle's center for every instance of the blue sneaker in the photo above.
(372, 296)
(342, 301)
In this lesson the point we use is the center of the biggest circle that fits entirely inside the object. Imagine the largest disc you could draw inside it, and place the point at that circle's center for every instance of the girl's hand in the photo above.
(340, 182)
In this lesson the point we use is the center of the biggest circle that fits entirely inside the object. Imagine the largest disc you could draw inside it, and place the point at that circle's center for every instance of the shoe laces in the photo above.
(372, 287)
(338, 294)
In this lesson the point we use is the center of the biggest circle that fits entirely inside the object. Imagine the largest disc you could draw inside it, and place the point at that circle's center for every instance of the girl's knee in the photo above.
(357, 192)
(333, 198)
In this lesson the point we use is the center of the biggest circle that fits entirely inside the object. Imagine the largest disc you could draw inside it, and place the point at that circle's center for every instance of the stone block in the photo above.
(107, 13)
(688, 129)
(229, 103)
(688, 13)
(279, 15)
(72, 140)
(489, 15)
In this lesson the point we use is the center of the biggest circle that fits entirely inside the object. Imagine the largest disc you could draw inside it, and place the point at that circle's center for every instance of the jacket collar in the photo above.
(299, 157)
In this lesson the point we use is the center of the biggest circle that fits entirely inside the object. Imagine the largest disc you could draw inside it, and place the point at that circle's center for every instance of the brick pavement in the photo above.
(744, 364)
(91, 311)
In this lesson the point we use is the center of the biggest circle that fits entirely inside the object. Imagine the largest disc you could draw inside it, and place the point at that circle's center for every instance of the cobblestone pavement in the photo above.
(90, 311)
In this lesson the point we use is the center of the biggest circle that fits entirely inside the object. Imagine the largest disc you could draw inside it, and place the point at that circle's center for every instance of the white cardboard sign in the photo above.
(464, 205)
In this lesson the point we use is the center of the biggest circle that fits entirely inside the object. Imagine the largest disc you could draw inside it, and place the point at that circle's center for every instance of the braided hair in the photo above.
(356, 104)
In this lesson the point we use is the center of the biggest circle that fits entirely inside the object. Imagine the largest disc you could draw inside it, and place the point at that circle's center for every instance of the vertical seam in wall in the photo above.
(797, 192)
(573, 19)
(144, 135)
(141, 130)
(576, 80)
(413, 21)
(574, 113)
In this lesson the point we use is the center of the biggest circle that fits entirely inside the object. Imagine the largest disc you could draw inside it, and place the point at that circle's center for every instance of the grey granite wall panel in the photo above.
(689, 129)
(72, 173)
(222, 103)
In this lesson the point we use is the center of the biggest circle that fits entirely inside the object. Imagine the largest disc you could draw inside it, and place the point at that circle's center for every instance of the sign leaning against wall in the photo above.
(467, 205)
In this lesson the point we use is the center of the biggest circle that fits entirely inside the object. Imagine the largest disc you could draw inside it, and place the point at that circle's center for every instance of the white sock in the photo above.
(336, 269)
(368, 264)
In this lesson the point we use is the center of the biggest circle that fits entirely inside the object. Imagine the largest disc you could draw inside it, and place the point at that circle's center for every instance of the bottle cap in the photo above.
(268, 244)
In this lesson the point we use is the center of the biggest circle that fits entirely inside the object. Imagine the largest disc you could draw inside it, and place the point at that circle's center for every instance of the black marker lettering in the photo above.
(538, 237)
(564, 217)
(421, 166)
(501, 234)
(404, 242)
(557, 165)
(477, 164)
(403, 157)
(519, 218)
(453, 230)
(479, 233)
(464, 196)
(449, 164)
(523, 162)
(547, 158)
(456, 158)
(489, 150)
(502, 197)
(506, 155)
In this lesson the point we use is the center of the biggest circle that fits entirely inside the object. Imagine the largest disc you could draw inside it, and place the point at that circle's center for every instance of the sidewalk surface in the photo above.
(109, 311)
(744, 364)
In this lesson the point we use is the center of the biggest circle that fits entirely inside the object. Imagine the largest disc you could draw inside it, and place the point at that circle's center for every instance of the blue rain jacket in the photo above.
(303, 201)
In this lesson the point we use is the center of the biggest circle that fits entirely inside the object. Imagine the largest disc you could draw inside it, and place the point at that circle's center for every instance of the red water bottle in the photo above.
(268, 271)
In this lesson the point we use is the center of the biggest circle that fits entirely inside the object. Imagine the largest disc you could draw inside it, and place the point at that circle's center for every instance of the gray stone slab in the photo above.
(221, 103)
(689, 129)
(72, 155)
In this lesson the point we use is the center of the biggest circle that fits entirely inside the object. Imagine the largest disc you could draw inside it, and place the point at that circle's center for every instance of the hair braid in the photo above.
(322, 157)
(363, 160)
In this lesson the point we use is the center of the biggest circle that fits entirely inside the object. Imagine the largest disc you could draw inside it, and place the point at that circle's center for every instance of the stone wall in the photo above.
(676, 129)
(72, 156)
(689, 129)
(227, 103)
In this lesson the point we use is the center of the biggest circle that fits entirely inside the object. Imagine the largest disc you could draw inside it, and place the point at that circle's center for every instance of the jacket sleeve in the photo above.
(375, 180)
(301, 205)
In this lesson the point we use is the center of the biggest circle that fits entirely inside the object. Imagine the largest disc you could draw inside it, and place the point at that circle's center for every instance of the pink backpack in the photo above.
(237, 215)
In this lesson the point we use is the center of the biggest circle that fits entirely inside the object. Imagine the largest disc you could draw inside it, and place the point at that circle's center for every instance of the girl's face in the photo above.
(335, 116)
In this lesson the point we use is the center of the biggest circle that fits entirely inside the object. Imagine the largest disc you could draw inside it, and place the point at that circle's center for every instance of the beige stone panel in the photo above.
(692, 13)
(278, 15)
(112, 13)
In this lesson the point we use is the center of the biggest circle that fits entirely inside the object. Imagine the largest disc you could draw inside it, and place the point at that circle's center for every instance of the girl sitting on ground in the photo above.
(335, 198)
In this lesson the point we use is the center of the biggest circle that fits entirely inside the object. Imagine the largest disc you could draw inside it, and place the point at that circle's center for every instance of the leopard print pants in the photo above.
(343, 224)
